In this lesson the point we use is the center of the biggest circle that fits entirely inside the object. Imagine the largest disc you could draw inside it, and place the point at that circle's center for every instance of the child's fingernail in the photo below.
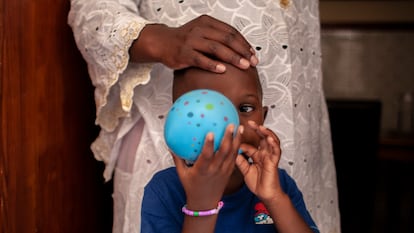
(240, 151)
(252, 123)
(210, 136)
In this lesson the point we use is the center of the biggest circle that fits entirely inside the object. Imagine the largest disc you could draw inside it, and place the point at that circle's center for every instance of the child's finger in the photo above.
(226, 146)
(267, 132)
(258, 129)
(242, 164)
(253, 125)
(264, 146)
(177, 160)
(237, 140)
(207, 153)
(248, 151)
(179, 164)
(276, 150)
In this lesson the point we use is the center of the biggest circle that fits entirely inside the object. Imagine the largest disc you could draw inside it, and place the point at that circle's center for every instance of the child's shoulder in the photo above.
(166, 174)
(287, 182)
(165, 180)
(283, 174)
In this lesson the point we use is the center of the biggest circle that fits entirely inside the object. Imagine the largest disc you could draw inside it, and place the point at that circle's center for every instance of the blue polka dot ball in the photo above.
(192, 116)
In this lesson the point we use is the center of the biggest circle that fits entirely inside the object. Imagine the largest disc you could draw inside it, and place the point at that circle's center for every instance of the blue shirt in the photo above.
(242, 212)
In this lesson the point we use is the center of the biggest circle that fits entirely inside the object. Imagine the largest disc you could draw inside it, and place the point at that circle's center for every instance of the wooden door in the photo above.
(49, 180)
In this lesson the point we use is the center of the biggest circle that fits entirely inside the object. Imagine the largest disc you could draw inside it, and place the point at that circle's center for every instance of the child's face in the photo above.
(242, 87)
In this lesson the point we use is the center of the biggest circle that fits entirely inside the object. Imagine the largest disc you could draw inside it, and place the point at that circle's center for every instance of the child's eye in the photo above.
(246, 108)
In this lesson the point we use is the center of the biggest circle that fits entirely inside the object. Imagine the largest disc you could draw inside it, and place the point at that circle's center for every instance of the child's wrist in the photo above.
(201, 204)
(275, 200)
(202, 213)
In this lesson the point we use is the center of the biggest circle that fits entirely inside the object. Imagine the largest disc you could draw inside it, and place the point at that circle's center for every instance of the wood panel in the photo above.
(366, 12)
(50, 181)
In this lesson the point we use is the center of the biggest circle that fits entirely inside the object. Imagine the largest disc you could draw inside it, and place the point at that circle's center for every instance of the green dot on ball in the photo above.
(209, 106)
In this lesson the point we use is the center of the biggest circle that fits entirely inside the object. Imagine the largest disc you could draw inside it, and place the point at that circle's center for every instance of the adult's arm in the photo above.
(104, 31)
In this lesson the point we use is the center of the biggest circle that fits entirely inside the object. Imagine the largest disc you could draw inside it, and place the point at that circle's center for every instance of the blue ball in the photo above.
(192, 116)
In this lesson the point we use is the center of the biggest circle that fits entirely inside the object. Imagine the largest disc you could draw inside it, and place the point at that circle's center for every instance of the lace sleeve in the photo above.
(104, 31)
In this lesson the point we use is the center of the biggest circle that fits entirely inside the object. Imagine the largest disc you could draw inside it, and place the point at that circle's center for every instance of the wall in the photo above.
(367, 52)
(369, 63)
(366, 11)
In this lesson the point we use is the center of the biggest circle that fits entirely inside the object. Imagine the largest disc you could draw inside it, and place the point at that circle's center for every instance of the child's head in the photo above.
(242, 87)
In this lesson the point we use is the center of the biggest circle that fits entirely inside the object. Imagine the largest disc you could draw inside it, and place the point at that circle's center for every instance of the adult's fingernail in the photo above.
(253, 60)
(244, 63)
(220, 68)
(252, 51)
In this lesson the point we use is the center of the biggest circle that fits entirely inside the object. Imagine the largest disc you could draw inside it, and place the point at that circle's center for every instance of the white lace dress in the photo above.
(133, 99)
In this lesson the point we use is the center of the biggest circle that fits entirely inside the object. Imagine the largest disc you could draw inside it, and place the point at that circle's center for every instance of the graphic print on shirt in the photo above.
(262, 215)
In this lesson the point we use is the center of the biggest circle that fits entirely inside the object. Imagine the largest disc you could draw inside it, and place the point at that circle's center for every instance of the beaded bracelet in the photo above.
(202, 213)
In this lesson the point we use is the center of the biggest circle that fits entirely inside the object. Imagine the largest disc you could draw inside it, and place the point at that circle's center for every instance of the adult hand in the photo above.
(202, 42)
(261, 176)
(205, 181)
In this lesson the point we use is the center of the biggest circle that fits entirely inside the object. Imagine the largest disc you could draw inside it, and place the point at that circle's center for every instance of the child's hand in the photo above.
(205, 181)
(261, 176)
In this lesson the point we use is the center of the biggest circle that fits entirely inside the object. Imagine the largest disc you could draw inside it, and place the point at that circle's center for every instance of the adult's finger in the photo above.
(214, 37)
(226, 34)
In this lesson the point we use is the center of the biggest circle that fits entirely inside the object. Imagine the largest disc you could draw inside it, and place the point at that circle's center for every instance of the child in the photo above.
(229, 192)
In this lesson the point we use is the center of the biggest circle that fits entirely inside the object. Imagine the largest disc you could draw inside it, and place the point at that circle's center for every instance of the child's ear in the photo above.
(265, 109)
